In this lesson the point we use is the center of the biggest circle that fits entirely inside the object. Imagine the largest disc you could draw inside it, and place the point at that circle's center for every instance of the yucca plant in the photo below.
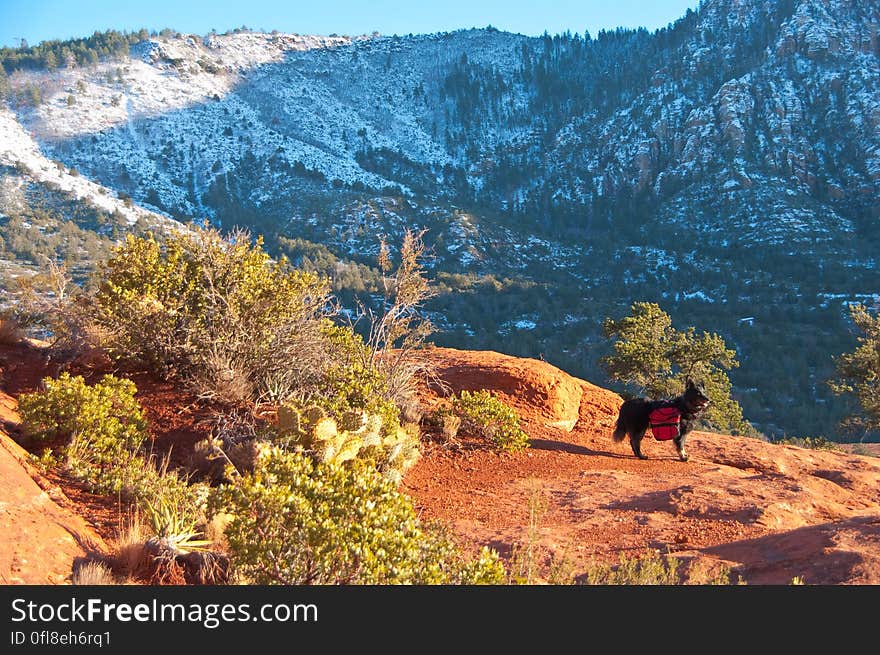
(172, 530)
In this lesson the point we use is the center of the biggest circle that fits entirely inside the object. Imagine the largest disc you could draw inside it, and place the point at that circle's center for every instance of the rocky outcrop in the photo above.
(771, 512)
(540, 392)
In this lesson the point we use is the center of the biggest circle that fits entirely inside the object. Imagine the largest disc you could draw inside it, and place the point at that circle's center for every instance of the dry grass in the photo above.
(84, 345)
(411, 410)
(219, 377)
(655, 568)
(449, 425)
(129, 549)
(526, 555)
(215, 530)
(93, 573)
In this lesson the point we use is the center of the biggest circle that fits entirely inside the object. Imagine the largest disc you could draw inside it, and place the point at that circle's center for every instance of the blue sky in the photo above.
(38, 20)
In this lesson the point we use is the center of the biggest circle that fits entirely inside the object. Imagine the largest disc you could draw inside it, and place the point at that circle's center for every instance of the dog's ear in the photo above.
(689, 384)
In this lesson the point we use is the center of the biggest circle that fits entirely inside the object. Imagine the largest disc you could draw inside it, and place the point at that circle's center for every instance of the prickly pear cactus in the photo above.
(289, 418)
(324, 431)
(348, 450)
(353, 420)
(355, 434)
(312, 414)
(400, 450)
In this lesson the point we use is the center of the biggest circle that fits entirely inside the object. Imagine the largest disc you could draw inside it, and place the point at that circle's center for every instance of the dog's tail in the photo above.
(619, 433)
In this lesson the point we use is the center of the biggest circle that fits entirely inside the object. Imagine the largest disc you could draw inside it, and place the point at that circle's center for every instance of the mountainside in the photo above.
(727, 167)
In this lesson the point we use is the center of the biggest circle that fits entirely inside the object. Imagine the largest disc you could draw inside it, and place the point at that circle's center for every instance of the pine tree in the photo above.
(50, 61)
(650, 355)
(859, 371)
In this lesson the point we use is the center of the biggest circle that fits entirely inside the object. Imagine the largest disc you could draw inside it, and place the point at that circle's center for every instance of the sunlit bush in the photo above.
(298, 521)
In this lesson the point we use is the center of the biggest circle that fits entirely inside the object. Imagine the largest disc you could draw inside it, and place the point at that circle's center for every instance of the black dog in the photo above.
(635, 416)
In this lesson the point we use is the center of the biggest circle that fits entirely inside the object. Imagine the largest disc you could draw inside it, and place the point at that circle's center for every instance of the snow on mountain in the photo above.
(18, 149)
(182, 111)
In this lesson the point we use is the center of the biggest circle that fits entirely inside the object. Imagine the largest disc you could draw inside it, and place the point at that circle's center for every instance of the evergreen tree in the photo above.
(859, 371)
(650, 355)
(50, 61)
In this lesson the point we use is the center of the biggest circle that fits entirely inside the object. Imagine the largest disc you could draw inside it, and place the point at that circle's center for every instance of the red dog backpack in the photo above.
(664, 423)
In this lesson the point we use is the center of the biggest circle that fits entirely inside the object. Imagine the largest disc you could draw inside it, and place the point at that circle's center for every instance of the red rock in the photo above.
(41, 540)
(539, 391)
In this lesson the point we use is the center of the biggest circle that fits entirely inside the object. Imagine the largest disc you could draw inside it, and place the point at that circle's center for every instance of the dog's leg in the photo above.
(679, 444)
(635, 440)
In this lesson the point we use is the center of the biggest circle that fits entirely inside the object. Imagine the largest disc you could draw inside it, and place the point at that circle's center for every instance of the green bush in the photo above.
(219, 314)
(350, 382)
(216, 312)
(858, 371)
(103, 422)
(487, 416)
(298, 521)
(654, 358)
(99, 431)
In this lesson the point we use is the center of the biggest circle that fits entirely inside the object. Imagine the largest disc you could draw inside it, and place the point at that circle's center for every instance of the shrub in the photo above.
(101, 424)
(400, 327)
(654, 569)
(444, 421)
(49, 306)
(858, 371)
(216, 312)
(99, 431)
(652, 357)
(449, 425)
(487, 416)
(862, 449)
(350, 382)
(485, 569)
(298, 521)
